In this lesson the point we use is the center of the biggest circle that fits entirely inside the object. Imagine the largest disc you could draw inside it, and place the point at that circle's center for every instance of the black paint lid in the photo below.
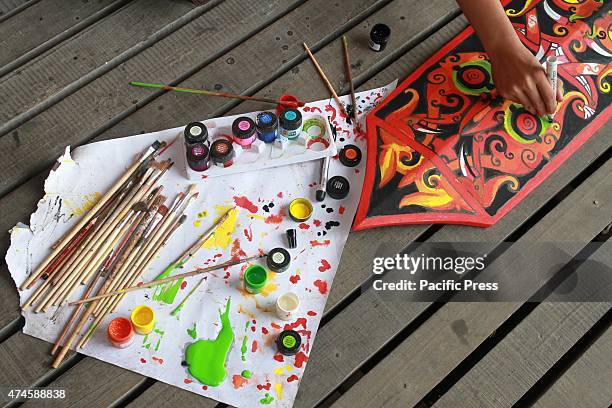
(289, 342)
(278, 260)
(291, 119)
(380, 33)
(243, 127)
(350, 155)
(292, 238)
(195, 132)
(338, 187)
(221, 151)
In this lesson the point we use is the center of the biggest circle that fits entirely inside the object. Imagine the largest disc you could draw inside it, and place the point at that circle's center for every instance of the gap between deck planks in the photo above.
(586, 383)
(435, 348)
(46, 24)
(313, 74)
(70, 65)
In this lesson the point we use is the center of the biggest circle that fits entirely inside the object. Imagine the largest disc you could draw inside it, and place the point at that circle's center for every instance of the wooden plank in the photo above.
(586, 383)
(91, 383)
(80, 59)
(161, 395)
(75, 118)
(8, 7)
(437, 346)
(509, 370)
(45, 24)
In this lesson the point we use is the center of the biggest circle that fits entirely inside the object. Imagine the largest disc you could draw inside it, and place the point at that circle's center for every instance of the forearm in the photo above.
(490, 23)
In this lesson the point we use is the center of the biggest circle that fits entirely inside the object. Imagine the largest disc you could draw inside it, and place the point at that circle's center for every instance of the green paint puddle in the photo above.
(192, 332)
(243, 349)
(267, 399)
(167, 291)
(206, 358)
(246, 374)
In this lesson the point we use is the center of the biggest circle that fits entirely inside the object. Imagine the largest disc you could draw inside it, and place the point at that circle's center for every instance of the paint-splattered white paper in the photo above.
(83, 174)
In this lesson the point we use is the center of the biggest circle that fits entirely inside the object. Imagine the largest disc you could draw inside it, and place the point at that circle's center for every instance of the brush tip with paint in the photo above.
(163, 210)
(193, 189)
(182, 219)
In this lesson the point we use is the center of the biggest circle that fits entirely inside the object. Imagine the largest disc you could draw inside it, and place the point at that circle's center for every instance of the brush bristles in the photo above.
(163, 210)
(193, 189)
(182, 219)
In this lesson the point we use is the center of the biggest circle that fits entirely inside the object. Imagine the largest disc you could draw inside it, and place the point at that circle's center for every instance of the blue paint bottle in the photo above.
(267, 126)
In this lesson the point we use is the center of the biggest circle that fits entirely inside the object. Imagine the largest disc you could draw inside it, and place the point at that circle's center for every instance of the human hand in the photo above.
(519, 77)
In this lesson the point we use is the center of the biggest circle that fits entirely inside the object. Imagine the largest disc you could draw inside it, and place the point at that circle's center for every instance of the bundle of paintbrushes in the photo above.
(117, 239)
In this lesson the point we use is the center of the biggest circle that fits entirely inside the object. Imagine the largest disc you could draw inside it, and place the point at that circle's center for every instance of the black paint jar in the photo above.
(198, 157)
(379, 36)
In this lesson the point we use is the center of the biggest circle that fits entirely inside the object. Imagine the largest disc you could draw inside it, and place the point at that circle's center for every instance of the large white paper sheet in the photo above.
(263, 196)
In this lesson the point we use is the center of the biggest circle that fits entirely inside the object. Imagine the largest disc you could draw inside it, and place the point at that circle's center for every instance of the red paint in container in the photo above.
(244, 131)
(289, 102)
(120, 332)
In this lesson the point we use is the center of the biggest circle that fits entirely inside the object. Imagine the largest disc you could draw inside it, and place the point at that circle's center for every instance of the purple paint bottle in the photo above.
(198, 157)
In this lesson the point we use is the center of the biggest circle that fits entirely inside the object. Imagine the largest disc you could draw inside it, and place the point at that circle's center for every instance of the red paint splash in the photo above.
(239, 381)
(264, 387)
(276, 219)
(299, 322)
(253, 329)
(158, 360)
(300, 359)
(317, 223)
(341, 210)
(276, 326)
(237, 252)
(254, 346)
(143, 361)
(280, 194)
(205, 387)
(322, 285)
(315, 243)
(279, 358)
(187, 381)
(356, 171)
(304, 226)
(264, 330)
(183, 284)
(248, 233)
(325, 266)
(292, 378)
(294, 279)
(245, 203)
(227, 275)
(311, 313)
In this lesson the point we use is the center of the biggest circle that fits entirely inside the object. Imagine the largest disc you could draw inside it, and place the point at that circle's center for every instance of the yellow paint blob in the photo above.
(197, 223)
(279, 391)
(89, 200)
(222, 238)
(257, 217)
(270, 286)
(281, 370)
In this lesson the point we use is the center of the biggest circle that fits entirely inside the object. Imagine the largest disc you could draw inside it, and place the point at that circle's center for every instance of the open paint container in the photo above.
(300, 209)
(120, 332)
(287, 306)
(255, 277)
(143, 319)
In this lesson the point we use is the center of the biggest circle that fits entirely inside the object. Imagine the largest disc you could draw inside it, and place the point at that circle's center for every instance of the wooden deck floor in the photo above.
(63, 70)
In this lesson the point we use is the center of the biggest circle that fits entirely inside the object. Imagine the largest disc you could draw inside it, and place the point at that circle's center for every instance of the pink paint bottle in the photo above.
(244, 131)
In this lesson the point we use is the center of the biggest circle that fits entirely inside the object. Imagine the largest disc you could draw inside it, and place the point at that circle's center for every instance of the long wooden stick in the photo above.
(37, 273)
(219, 94)
(195, 272)
(325, 80)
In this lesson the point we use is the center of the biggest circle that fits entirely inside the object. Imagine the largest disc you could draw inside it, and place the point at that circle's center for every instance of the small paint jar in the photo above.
(379, 36)
(288, 342)
(278, 260)
(222, 153)
(287, 306)
(300, 209)
(244, 131)
(120, 332)
(198, 157)
(290, 123)
(195, 132)
(267, 126)
(255, 277)
(143, 319)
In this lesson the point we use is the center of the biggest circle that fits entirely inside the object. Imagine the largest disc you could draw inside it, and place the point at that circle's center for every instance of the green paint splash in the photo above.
(193, 333)
(167, 291)
(267, 399)
(243, 349)
(147, 339)
(246, 374)
(206, 358)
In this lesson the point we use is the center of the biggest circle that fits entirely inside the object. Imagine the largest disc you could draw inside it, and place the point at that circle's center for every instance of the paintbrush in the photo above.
(195, 272)
(40, 269)
(325, 80)
(349, 76)
(219, 94)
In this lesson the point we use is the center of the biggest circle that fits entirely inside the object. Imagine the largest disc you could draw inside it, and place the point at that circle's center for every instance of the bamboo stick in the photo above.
(325, 80)
(349, 75)
(37, 273)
